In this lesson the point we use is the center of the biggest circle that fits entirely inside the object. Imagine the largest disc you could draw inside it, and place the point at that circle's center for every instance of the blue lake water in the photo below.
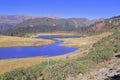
(57, 36)
(53, 49)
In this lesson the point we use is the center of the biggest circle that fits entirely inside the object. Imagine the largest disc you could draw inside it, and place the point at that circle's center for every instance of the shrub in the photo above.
(62, 70)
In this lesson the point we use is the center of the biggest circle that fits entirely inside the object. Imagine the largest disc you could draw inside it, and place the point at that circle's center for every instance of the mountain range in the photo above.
(9, 21)
(16, 24)
(19, 25)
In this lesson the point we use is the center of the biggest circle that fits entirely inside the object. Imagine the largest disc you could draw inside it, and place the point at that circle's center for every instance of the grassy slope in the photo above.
(102, 51)
(7, 41)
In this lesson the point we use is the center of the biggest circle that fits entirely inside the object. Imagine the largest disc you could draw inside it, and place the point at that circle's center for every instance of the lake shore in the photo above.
(10, 41)
(10, 64)
(55, 33)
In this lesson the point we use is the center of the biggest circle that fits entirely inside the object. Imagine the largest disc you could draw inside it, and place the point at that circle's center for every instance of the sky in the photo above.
(62, 8)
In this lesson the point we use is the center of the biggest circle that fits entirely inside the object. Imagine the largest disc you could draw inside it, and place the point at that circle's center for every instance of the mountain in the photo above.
(75, 22)
(111, 24)
(9, 21)
(51, 24)
(5, 26)
(16, 24)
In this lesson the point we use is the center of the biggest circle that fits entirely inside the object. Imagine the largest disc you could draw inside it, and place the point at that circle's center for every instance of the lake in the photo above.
(53, 49)
(57, 36)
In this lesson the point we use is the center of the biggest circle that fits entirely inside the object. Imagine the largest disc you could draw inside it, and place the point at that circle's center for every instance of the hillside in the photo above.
(9, 21)
(79, 25)
(39, 25)
(111, 24)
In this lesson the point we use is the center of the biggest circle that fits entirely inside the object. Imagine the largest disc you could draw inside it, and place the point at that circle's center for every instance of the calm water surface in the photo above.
(53, 49)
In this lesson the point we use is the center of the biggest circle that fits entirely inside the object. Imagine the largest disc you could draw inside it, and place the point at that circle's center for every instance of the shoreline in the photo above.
(13, 41)
(56, 33)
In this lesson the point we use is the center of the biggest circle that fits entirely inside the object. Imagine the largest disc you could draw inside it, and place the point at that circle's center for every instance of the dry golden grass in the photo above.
(8, 41)
(10, 64)
(78, 42)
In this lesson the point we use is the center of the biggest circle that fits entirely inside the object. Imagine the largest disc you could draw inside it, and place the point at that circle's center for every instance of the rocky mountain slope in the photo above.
(73, 22)
(9, 21)
(51, 25)
(108, 24)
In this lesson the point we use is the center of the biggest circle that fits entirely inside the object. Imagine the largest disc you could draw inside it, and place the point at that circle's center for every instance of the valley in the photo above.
(95, 49)
(59, 40)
